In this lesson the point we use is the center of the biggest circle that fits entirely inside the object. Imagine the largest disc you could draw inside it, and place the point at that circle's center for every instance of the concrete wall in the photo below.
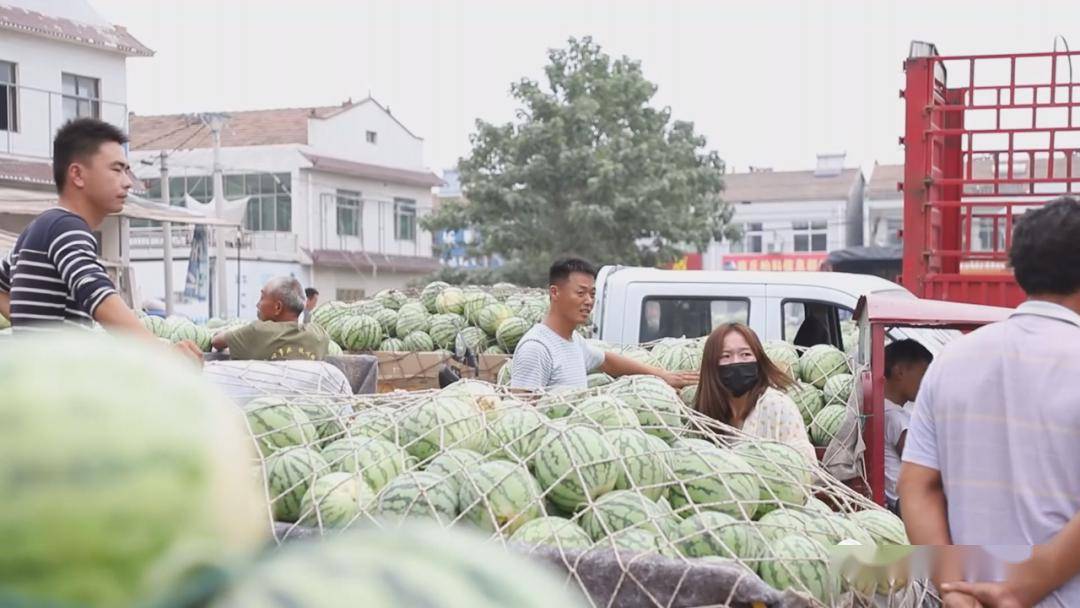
(344, 136)
(329, 280)
(39, 65)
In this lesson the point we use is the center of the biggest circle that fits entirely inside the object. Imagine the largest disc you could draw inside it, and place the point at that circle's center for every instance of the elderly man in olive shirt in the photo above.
(278, 334)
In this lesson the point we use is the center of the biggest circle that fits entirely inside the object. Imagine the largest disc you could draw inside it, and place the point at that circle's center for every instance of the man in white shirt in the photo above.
(905, 364)
(992, 452)
(552, 354)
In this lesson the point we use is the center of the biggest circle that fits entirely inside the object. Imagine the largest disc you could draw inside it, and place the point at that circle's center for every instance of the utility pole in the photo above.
(215, 121)
(166, 232)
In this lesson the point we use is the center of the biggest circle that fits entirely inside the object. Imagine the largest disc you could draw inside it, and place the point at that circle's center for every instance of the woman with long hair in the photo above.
(740, 387)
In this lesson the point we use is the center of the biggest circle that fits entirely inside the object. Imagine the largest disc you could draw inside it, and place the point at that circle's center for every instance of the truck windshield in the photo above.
(689, 317)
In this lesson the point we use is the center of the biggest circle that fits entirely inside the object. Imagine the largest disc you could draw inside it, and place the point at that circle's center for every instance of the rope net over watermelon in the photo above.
(636, 497)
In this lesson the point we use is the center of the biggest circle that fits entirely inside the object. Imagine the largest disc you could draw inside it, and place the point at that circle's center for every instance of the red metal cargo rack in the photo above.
(986, 138)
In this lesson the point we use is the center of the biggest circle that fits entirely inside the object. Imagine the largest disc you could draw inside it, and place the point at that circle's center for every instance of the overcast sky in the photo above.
(769, 83)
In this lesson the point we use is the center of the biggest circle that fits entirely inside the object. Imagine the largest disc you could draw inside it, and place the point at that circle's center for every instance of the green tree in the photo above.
(588, 167)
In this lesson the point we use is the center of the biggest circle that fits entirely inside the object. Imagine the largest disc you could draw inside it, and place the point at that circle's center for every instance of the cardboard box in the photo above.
(420, 371)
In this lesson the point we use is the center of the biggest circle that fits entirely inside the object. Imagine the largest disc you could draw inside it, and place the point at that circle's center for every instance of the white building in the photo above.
(792, 215)
(59, 60)
(883, 209)
(335, 195)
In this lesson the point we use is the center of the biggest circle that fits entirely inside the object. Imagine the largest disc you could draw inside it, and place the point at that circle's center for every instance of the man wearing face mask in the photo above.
(552, 354)
(278, 334)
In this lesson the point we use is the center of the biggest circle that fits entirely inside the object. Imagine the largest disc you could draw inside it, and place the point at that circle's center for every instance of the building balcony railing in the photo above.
(30, 117)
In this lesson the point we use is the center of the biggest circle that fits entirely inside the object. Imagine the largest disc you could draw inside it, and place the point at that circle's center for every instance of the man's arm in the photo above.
(5, 287)
(113, 314)
(220, 341)
(616, 365)
(5, 305)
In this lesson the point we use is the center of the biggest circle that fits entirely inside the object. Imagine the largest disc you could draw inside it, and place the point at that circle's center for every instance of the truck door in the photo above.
(808, 315)
(657, 310)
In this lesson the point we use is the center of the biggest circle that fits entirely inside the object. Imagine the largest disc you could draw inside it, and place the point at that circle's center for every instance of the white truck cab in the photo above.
(636, 305)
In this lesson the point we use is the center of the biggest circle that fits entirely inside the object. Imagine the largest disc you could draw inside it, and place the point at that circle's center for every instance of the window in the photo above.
(405, 219)
(81, 96)
(818, 322)
(349, 295)
(349, 209)
(198, 187)
(692, 317)
(270, 206)
(9, 108)
(372, 137)
(811, 236)
(752, 240)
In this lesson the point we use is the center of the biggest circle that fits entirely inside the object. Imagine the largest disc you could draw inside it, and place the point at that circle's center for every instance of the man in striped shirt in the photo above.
(52, 277)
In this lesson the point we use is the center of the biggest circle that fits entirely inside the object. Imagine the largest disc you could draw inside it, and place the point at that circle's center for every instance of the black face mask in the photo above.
(739, 378)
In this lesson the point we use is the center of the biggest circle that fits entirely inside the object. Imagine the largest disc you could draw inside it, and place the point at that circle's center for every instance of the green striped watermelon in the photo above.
(392, 345)
(335, 500)
(683, 356)
(439, 423)
(621, 509)
(491, 317)
(376, 460)
(333, 349)
(808, 398)
(827, 424)
(821, 362)
(503, 377)
(289, 473)
(471, 338)
(408, 567)
(361, 332)
(598, 380)
(391, 299)
(325, 414)
(120, 475)
(445, 328)
(883, 526)
(605, 412)
(450, 300)
(453, 465)
(481, 394)
(517, 434)
(474, 303)
(558, 402)
(418, 342)
(204, 338)
(499, 496)
(510, 331)
(277, 424)
(575, 466)
(388, 321)
(418, 494)
(779, 523)
(412, 317)
(799, 563)
(634, 540)
(657, 405)
(430, 293)
(156, 325)
(502, 291)
(815, 504)
(688, 394)
(841, 528)
(784, 473)
(713, 533)
(494, 349)
(713, 479)
(184, 331)
(377, 422)
(784, 355)
(552, 530)
(642, 462)
(838, 389)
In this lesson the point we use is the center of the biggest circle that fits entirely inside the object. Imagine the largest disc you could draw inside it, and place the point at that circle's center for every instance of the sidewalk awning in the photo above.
(26, 202)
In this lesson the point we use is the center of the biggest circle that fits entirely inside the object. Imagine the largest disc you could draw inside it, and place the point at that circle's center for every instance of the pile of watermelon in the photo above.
(176, 328)
(626, 465)
(485, 320)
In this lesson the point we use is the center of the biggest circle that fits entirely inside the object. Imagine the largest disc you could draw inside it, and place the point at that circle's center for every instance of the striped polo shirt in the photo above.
(53, 274)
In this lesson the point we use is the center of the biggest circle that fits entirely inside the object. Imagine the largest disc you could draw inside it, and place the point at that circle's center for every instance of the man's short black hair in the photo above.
(564, 267)
(78, 140)
(1045, 252)
(905, 351)
(311, 292)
